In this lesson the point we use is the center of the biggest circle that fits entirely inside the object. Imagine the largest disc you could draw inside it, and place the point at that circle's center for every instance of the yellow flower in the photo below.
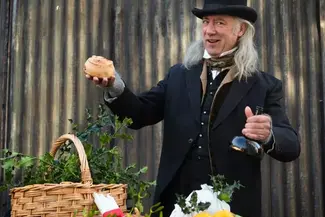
(223, 213)
(203, 214)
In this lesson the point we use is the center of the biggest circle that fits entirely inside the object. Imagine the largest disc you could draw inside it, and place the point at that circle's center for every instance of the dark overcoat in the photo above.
(176, 101)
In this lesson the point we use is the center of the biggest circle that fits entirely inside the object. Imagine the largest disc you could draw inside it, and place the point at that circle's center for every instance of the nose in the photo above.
(210, 30)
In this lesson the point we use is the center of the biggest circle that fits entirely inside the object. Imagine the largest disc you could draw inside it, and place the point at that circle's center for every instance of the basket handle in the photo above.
(84, 167)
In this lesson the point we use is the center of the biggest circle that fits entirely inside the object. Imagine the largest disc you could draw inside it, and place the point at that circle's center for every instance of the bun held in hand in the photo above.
(100, 67)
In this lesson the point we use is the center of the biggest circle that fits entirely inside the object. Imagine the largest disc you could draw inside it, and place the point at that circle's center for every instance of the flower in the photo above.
(206, 194)
(203, 214)
(209, 201)
(223, 213)
(193, 201)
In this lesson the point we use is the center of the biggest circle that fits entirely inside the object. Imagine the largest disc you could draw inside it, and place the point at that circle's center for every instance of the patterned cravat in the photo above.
(221, 62)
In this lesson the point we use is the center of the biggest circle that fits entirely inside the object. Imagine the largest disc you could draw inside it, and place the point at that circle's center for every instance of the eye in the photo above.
(219, 23)
(205, 21)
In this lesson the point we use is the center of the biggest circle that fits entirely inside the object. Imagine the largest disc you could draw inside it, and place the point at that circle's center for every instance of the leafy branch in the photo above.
(105, 161)
(193, 205)
(225, 191)
(219, 185)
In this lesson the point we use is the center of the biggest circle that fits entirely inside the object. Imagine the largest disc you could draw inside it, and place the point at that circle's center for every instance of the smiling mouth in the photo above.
(213, 40)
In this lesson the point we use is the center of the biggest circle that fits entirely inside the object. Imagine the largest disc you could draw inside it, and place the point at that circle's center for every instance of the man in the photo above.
(205, 102)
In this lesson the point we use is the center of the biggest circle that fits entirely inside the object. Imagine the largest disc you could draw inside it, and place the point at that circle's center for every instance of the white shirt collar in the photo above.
(206, 55)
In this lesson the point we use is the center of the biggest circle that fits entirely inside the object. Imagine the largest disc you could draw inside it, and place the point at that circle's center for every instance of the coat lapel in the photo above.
(193, 84)
(237, 91)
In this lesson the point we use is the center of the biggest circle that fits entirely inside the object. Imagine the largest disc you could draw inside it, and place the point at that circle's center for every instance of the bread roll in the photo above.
(100, 67)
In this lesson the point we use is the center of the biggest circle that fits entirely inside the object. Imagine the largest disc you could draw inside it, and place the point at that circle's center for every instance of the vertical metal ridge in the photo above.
(161, 70)
(48, 53)
(314, 130)
(56, 117)
(321, 82)
(119, 51)
(17, 80)
(305, 204)
(172, 26)
(290, 171)
(151, 72)
(31, 127)
(119, 38)
(69, 94)
(184, 35)
(77, 65)
(198, 22)
(79, 58)
(167, 33)
(43, 38)
(132, 36)
(261, 43)
(178, 14)
(273, 53)
(5, 34)
(4, 73)
(189, 23)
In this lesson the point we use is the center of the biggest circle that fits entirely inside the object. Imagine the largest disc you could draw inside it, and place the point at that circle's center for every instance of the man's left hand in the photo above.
(257, 127)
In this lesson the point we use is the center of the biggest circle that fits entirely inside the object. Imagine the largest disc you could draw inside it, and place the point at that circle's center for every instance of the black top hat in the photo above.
(236, 8)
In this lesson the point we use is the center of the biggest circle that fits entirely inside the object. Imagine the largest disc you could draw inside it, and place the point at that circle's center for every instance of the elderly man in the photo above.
(205, 102)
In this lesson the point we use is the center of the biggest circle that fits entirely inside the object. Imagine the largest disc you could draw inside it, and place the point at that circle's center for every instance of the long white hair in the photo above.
(245, 57)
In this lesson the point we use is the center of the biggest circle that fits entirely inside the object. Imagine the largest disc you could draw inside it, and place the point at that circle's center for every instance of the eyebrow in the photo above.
(219, 19)
(214, 19)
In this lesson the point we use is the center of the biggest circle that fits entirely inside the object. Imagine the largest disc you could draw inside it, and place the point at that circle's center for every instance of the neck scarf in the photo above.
(222, 62)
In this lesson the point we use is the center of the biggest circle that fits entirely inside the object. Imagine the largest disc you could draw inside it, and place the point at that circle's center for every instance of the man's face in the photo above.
(221, 33)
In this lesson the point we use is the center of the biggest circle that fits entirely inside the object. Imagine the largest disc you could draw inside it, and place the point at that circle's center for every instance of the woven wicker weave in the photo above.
(64, 199)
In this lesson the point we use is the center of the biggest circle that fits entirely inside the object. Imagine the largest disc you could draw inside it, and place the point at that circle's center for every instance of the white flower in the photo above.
(206, 194)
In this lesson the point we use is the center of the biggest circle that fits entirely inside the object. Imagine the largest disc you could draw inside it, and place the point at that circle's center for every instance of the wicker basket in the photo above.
(64, 199)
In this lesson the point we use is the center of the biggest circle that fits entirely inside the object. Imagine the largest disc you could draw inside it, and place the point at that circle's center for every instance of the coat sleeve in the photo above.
(284, 145)
(144, 109)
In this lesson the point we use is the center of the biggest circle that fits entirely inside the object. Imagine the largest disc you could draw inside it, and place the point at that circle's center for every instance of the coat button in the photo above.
(190, 141)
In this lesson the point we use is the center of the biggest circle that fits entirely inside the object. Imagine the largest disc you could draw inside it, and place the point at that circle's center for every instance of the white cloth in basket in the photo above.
(107, 205)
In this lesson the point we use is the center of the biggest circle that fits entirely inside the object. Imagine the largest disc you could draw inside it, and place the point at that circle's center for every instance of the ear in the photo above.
(242, 30)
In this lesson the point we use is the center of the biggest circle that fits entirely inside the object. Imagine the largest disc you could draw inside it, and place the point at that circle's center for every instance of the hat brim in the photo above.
(243, 12)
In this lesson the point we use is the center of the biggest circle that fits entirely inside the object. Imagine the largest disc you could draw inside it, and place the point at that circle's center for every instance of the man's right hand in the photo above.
(103, 82)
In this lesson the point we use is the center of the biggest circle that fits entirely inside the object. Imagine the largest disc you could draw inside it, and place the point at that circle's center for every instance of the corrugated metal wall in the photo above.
(289, 40)
(50, 40)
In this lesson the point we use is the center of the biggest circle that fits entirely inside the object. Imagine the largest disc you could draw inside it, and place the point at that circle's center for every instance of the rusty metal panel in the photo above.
(50, 40)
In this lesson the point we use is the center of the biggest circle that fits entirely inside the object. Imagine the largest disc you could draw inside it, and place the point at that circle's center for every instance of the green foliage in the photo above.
(193, 205)
(225, 190)
(219, 185)
(105, 161)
